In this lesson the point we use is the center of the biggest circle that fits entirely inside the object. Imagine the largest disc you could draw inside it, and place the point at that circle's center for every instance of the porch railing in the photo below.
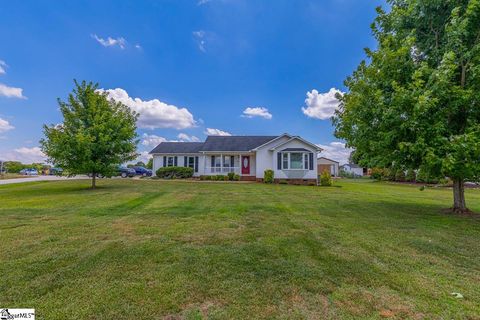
(220, 170)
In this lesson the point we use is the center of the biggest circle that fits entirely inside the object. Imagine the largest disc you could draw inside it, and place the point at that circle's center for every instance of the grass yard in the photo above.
(185, 250)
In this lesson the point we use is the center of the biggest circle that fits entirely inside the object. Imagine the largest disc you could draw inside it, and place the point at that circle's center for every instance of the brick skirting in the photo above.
(247, 178)
(309, 182)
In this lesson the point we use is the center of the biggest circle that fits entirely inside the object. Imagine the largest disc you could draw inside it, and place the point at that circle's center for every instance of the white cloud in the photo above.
(200, 39)
(11, 92)
(110, 42)
(321, 105)
(5, 126)
(139, 47)
(336, 151)
(144, 157)
(3, 65)
(185, 137)
(25, 155)
(202, 2)
(151, 140)
(257, 112)
(154, 113)
(216, 132)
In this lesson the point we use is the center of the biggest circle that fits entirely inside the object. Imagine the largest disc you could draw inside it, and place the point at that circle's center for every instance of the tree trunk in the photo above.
(94, 176)
(459, 197)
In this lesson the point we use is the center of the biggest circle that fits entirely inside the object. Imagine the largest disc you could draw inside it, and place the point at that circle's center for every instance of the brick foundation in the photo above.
(309, 182)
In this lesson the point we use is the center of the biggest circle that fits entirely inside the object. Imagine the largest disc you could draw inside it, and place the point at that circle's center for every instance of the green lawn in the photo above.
(138, 249)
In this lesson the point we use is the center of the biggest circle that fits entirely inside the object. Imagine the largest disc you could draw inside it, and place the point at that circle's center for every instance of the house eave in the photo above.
(317, 148)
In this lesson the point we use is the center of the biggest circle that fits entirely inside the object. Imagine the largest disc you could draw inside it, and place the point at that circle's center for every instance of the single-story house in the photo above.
(325, 164)
(352, 168)
(290, 157)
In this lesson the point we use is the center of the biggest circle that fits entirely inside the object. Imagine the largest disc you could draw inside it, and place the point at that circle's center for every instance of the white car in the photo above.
(29, 172)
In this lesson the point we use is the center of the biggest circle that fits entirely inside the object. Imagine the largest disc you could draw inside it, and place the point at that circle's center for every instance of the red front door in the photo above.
(245, 165)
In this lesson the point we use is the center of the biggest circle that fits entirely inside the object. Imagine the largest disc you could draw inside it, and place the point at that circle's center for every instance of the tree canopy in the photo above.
(415, 102)
(97, 134)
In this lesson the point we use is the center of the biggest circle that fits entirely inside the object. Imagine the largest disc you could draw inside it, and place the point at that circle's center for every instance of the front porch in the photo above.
(242, 164)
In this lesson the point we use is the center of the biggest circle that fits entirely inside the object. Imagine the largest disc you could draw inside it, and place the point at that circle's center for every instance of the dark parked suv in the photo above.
(125, 172)
(141, 171)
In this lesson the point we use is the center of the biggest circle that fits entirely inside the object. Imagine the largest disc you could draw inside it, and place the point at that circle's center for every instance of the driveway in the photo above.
(41, 178)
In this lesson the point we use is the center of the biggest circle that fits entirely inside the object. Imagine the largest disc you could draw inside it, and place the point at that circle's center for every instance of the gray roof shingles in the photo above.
(178, 147)
(234, 143)
(214, 143)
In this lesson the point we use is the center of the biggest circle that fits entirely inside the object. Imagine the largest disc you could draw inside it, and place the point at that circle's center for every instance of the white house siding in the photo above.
(268, 160)
(265, 157)
(158, 161)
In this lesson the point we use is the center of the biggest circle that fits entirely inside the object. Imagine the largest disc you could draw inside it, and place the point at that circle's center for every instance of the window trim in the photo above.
(286, 159)
(168, 161)
(191, 165)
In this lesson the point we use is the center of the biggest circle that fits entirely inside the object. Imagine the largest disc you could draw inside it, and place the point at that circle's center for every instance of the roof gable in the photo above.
(299, 139)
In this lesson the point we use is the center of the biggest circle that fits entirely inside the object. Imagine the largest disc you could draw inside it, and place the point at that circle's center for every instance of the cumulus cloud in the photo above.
(111, 42)
(3, 66)
(151, 140)
(336, 151)
(5, 126)
(185, 137)
(11, 92)
(154, 113)
(216, 132)
(200, 40)
(144, 156)
(321, 105)
(25, 155)
(257, 112)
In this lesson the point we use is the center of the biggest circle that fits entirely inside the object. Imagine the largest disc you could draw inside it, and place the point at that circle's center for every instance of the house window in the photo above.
(170, 161)
(191, 162)
(218, 161)
(226, 161)
(296, 160)
(285, 160)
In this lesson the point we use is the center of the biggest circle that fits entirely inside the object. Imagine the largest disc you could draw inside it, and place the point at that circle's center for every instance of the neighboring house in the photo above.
(290, 157)
(352, 168)
(325, 164)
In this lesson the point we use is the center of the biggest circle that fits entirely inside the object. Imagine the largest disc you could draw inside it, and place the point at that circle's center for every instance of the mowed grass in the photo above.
(194, 250)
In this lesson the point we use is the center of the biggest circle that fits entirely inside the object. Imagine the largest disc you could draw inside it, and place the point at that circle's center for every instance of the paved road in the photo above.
(40, 178)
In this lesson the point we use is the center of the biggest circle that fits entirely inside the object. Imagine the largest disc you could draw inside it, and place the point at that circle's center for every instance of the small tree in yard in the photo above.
(325, 179)
(97, 134)
(149, 164)
(416, 103)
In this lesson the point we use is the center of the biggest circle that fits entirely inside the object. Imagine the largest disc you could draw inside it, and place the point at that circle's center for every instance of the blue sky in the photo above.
(190, 67)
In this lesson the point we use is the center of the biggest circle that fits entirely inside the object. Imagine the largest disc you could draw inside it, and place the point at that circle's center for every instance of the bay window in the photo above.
(285, 161)
(295, 160)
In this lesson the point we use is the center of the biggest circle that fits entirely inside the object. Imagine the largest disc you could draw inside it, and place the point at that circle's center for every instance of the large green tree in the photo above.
(415, 102)
(97, 134)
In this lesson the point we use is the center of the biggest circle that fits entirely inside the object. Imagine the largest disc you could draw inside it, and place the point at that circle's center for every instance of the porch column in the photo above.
(221, 163)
